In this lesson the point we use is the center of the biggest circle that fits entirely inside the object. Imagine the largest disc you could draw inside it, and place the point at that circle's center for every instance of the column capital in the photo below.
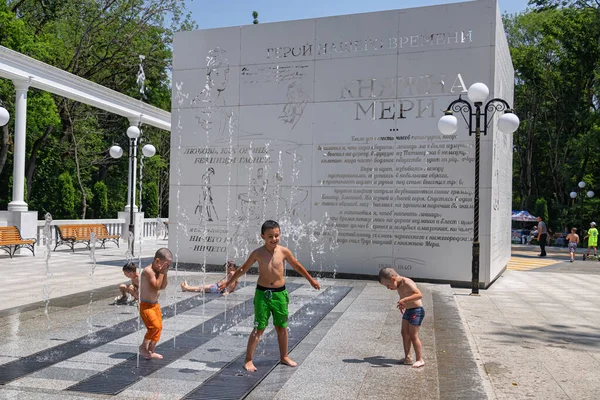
(135, 121)
(21, 84)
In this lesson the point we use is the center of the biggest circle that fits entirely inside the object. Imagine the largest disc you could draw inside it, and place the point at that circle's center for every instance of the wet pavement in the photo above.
(519, 339)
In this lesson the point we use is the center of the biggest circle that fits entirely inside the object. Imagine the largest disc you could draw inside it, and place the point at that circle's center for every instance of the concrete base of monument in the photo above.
(194, 267)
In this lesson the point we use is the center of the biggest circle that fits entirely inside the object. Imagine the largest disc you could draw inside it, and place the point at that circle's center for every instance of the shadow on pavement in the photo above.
(375, 361)
(554, 335)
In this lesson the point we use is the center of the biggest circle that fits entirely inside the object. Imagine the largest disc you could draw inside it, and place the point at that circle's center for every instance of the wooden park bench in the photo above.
(11, 240)
(70, 235)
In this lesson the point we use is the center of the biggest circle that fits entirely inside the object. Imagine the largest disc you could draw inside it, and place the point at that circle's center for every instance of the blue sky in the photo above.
(214, 14)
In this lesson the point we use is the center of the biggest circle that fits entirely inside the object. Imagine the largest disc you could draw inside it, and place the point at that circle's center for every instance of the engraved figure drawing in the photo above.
(206, 207)
(296, 102)
(211, 111)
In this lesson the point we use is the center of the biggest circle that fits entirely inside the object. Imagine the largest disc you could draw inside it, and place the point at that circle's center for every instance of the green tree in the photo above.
(557, 59)
(65, 205)
(100, 41)
(255, 17)
(150, 200)
(540, 209)
(100, 203)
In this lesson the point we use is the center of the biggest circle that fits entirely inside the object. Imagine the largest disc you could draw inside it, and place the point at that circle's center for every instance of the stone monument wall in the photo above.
(329, 126)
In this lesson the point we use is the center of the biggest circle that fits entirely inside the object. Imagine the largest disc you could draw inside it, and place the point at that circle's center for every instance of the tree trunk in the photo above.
(70, 130)
(83, 194)
(32, 164)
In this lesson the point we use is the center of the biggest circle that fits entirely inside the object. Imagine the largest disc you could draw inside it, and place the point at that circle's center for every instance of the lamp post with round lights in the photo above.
(590, 193)
(133, 133)
(448, 124)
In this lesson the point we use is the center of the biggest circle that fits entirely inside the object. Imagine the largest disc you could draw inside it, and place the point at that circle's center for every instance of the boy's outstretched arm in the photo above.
(239, 272)
(289, 257)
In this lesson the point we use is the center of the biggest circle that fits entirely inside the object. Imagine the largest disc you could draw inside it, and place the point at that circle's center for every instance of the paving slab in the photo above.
(351, 353)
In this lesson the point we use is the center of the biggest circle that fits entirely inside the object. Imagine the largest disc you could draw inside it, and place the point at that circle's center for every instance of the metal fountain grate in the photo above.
(45, 358)
(119, 377)
(230, 383)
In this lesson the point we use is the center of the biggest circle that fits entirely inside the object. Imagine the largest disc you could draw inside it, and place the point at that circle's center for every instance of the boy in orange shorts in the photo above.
(153, 279)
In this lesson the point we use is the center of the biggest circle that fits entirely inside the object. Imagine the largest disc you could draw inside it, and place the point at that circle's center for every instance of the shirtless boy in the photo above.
(130, 271)
(153, 279)
(573, 240)
(411, 307)
(214, 288)
(270, 296)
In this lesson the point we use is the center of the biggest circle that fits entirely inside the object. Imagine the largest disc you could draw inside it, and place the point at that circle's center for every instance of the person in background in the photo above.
(542, 236)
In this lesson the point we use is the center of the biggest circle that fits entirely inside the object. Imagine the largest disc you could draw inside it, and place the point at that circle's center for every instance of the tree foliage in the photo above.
(64, 207)
(100, 202)
(150, 200)
(101, 41)
(555, 49)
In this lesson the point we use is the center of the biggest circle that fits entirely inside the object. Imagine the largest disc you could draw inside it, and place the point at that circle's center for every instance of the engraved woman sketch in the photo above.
(206, 202)
(211, 111)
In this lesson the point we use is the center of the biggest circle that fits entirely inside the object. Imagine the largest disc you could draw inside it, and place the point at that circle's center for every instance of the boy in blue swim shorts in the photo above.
(411, 307)
(270, 296)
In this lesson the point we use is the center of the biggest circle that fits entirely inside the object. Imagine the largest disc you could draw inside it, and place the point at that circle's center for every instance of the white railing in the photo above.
(153, 227)
(156, 227)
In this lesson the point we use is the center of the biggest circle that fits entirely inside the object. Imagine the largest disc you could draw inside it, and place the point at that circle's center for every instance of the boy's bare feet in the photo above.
(156, 356)
(184, 286)
(405, 361)
(249, 366)
(418, 364)
(145, 353)
(288, 361)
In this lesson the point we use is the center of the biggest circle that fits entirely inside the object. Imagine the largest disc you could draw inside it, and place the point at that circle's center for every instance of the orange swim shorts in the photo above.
(152, 317)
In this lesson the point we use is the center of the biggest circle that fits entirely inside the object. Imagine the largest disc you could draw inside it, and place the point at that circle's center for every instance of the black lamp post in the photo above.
(133, 133)
(508, 123)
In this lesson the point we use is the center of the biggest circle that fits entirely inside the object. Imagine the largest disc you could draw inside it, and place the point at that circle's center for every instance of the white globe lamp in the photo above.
(508, 122)
(148, 150)
(573, 195)
(590, 194)
(133, 132)
(448, 125)
(4, 116)
(581, 184)
(478, 92)
(115, 151)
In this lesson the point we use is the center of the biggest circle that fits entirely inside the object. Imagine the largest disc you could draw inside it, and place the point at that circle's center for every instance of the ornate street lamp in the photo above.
(133, 133)
(448, 124)
(590, 193)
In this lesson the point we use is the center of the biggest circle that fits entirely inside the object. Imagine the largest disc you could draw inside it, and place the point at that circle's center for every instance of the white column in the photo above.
(18, 190)
(134, 163)
(128, 175)
(133, 121)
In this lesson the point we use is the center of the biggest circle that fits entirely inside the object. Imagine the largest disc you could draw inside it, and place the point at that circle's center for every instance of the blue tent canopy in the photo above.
(523, 216)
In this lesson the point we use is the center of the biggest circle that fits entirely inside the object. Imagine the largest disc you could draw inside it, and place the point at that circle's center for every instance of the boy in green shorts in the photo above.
(593, 238)
(270, 296)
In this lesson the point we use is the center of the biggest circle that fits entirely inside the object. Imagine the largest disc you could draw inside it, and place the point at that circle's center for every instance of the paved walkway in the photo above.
(535, 334)
(531, 335)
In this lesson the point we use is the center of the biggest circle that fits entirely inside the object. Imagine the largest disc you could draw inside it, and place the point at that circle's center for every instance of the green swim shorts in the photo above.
(267, 301)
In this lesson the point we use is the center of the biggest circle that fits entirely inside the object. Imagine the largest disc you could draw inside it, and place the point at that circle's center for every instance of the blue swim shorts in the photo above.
(414, 316)
(214, 288)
